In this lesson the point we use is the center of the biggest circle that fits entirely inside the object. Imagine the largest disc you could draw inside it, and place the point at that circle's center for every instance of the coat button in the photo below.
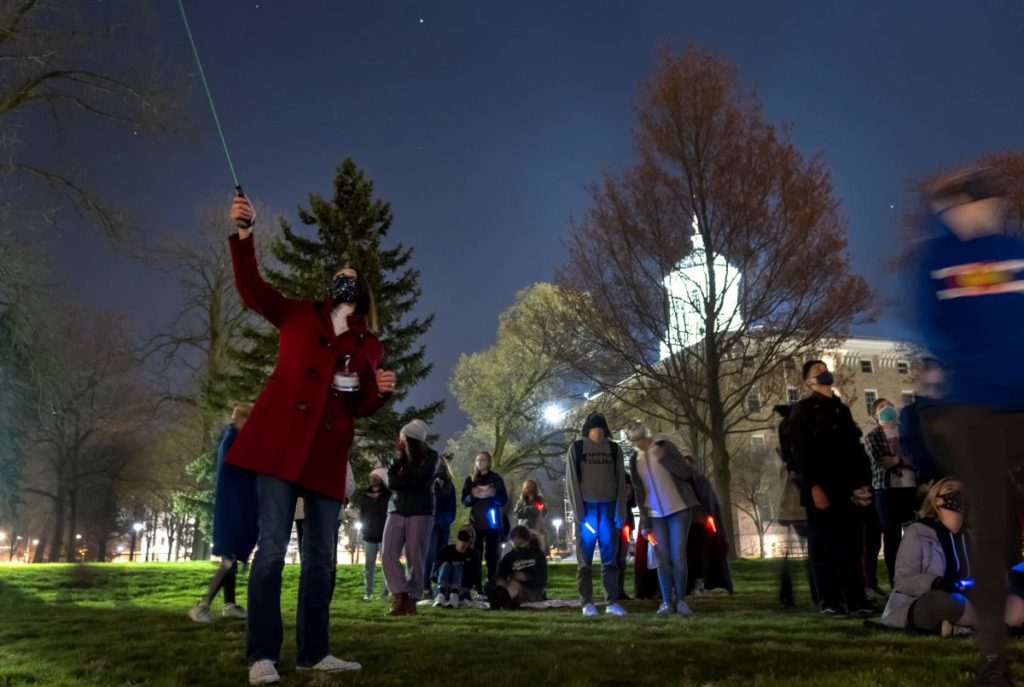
(302, 405)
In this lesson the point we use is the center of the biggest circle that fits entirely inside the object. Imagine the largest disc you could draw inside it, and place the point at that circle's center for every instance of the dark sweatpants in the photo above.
(836, 541)
(982, 444)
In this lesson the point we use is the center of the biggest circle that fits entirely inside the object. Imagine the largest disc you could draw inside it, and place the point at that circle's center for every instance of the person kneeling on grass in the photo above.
(933, 570)
(522, 573)
(457, 570)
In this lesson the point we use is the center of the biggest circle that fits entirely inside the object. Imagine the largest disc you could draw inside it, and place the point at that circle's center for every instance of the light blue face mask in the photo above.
(887, 414)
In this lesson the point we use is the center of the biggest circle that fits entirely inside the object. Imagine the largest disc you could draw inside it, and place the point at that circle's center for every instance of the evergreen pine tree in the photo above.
(349, 230)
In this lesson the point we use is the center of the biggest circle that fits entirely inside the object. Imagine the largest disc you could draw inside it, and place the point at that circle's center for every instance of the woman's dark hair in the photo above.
(524, 532)
(415, 450)
(533, 487)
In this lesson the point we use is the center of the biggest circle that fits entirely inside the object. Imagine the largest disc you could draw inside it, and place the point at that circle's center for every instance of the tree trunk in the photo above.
(40, 553)
(72, 542)
(197, 540)
(57, 537)
(723, 489)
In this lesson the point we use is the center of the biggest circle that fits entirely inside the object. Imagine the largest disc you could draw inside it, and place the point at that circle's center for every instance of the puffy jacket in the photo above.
(412, 485)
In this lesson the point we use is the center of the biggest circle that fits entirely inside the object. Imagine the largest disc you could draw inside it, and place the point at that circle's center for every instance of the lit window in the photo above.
(757, 443)
(866, 367)
(792, 395)
(903, 367)
(908, 397)
(870, 396)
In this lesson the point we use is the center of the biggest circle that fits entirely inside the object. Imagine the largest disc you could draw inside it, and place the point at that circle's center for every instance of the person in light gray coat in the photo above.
(934, 580)
(663, 487)
(595, 481)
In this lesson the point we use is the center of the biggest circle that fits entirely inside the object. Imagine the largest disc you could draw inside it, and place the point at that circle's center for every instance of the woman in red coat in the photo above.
(297, 441)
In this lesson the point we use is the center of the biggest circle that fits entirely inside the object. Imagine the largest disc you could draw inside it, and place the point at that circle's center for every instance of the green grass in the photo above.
(125, 624)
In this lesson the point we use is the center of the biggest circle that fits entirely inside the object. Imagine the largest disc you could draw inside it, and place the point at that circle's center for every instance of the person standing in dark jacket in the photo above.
(485, 495)
(927, 459)
(522, 573)
(234, 523)
(410, 517)
(444, 515)
(373, 514)
(836, 475)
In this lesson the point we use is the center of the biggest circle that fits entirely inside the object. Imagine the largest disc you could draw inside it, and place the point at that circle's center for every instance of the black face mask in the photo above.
(825, 379)
(953, 501)
(464, 536)
(344, 289)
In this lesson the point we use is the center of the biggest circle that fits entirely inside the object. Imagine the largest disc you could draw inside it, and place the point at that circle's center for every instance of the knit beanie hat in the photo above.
(417, 429)
(381, 474)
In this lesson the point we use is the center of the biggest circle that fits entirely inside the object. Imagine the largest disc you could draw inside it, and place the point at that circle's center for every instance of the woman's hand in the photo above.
(385, 379)
(243, 215)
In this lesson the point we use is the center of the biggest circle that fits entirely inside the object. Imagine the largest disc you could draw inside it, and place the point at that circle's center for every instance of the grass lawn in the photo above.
(125, 624)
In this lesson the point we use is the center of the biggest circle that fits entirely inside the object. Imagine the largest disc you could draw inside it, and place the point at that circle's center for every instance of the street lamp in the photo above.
(554, 414)
(136, 528)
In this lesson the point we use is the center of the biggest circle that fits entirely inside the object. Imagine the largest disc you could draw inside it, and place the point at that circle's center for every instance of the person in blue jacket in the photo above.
(485, 495)
(444, 515)
(970, 279)
(234, 523)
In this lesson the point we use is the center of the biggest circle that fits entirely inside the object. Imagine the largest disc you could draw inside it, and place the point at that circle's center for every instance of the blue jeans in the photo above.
(264, 631)
(672, 533)
(438, 540)
(371, 550)
(597, 527)
(449, 579)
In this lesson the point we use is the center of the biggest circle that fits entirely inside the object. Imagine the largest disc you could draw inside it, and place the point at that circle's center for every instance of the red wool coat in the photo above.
(299, 430)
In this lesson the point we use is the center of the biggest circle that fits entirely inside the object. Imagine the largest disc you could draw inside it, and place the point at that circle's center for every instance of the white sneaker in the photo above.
(200, 613)
(367, 597)
(615, 609)
(589, 610)
(439, 601)
(683, 610)
(234, 611)
(453, 600)
(333, 664)
(665, 608)
(263, 673)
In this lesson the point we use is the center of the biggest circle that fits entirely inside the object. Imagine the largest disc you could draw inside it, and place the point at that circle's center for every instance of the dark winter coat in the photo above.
(412, 485)
(826, 446)
(235, 527)
(299, 430)
(444, 502)
(480, 507)
(373, 513)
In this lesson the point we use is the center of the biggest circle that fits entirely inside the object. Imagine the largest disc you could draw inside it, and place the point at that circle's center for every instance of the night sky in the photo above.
(482, 122)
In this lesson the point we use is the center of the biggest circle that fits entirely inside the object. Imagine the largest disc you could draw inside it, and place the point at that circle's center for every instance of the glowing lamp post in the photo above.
(136, 528)
(557, 522)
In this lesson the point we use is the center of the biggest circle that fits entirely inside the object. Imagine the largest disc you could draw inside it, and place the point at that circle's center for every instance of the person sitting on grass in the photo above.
(522, 573)
(234, 523)
(457, 570)
(933, 570)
